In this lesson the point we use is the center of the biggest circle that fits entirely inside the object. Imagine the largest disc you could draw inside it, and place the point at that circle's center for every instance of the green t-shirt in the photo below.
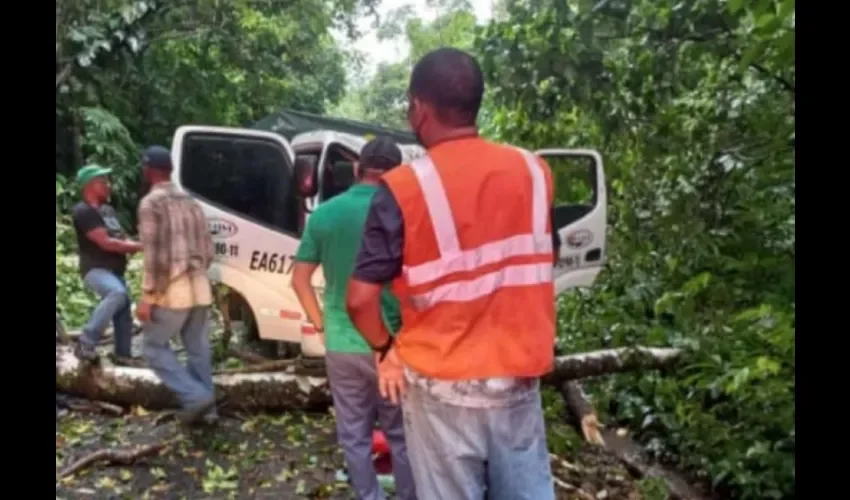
(332, 239)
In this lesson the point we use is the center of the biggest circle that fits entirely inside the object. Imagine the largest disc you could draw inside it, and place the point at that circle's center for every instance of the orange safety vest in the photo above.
(476, 289)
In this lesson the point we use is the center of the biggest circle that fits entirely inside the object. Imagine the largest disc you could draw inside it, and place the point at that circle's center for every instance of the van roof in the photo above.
(289, 123)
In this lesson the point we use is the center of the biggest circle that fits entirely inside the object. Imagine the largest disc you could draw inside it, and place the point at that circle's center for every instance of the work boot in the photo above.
(193, 414)
(87, 353)
(133, 361)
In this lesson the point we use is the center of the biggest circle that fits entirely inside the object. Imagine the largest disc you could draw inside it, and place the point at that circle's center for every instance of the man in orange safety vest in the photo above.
(465, 236)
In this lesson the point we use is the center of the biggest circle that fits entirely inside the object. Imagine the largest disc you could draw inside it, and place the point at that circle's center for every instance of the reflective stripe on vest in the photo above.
(453, 259)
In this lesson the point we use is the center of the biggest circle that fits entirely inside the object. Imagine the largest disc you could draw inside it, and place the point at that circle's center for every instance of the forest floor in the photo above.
(286, 456)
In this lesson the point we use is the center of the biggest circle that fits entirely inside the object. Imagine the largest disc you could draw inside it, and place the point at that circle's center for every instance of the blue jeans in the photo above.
(463, 453)
(357, 404)
(114, 306)
(193, 383)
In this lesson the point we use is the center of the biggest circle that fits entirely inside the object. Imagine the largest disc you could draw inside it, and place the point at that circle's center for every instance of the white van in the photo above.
(257, 189)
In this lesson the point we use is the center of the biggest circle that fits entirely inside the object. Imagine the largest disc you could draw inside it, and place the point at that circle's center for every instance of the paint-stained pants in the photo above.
(463, 453)
(193, 383)
(357, 404)
(114, 306)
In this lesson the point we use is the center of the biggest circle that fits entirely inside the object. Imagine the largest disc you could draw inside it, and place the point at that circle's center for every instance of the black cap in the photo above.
(157, 157)
(380, 153)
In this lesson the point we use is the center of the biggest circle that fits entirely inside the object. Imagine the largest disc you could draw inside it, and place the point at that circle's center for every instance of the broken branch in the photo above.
(113, 456)
(609, 361)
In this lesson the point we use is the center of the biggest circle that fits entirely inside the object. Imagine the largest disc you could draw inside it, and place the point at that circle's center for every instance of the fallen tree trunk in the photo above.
(301, 384)
(285, 390)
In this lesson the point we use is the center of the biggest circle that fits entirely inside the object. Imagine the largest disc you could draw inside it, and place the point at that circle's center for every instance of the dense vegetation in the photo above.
(691, 103)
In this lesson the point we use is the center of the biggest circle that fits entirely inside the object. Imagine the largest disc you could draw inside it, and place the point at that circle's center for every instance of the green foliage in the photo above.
(691, 104)
(652, 488)
(157, 65)
(383, 99)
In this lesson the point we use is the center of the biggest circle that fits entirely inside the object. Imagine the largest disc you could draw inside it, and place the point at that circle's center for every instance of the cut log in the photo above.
(272, 391)
(301, 385)
(583, 414)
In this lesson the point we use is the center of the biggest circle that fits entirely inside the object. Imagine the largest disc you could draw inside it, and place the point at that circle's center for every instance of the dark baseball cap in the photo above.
(157, 157)
(380, 153)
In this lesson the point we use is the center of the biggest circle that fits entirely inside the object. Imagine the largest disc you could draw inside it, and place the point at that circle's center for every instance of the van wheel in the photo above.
(251, 336)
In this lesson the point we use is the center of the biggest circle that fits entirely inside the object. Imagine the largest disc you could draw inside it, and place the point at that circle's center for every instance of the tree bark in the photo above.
(609, 361)
(285, 390)
(301, 385)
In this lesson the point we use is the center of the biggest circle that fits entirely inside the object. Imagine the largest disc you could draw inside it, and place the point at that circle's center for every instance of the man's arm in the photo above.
(307, 260)
(378, 262)
(149, 222)
(91, 224)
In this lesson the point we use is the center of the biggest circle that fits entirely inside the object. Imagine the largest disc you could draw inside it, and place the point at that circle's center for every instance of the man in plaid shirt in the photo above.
(176, 293)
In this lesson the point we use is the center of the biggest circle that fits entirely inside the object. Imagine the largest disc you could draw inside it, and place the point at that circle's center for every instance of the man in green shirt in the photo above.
(332, 239)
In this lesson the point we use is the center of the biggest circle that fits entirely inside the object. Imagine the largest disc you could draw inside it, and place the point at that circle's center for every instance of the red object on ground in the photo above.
(382, 462)
(379, 443)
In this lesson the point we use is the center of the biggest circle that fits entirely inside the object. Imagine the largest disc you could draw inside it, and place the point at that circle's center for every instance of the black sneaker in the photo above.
(85, 352)
(133, 361)
(193, 414)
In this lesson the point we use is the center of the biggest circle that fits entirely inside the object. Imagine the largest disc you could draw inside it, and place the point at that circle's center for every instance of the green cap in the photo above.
(89, 172)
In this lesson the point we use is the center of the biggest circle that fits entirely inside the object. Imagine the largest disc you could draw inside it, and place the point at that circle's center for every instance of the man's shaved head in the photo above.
(451, 82)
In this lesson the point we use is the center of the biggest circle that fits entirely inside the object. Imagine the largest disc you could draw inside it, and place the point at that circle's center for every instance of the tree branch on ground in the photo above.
(113, 456)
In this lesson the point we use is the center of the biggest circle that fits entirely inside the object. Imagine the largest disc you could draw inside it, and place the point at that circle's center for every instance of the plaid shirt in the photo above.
(177, 249)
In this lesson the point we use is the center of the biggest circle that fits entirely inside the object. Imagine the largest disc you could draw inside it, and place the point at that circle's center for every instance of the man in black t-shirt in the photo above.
(103, 248)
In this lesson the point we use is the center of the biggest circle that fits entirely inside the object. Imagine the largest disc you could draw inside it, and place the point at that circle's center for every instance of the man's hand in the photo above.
(143, 311)
(390, 376)
(137, 246)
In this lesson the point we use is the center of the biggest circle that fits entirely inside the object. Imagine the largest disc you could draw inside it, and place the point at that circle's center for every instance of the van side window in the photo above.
(250, 178)
(338, 175)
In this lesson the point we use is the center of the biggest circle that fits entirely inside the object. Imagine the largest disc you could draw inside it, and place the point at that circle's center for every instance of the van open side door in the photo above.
(580, 215)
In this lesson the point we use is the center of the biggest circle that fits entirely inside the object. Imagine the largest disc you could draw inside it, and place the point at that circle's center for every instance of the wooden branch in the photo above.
(113, 456)
(620, 445)
(94, 406)
(608, 361)
(584, 415)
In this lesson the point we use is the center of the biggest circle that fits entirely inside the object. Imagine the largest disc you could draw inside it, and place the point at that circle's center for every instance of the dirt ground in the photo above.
(287, 456)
